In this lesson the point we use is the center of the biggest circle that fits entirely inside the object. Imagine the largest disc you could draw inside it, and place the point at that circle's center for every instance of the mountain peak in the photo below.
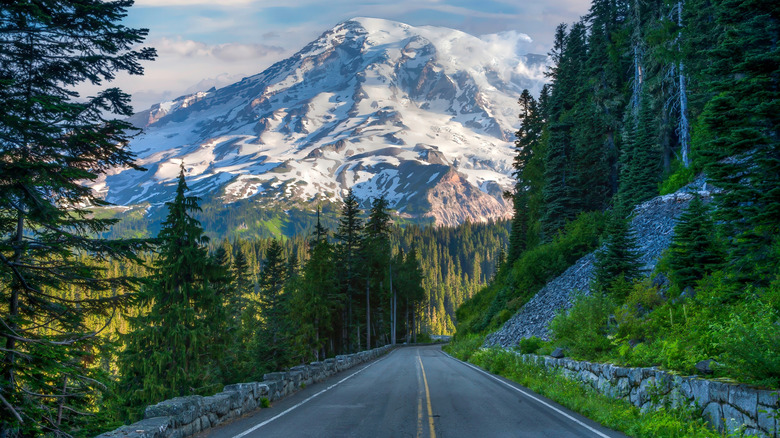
(422, 115)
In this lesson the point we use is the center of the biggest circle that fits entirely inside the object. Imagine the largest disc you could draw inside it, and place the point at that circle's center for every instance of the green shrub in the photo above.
(530, 345)
(265, 403)
(750, 338)
(679, 178)
(464, 346)
(615, 414)
(424, 338)
(583, 329)
(634, 318)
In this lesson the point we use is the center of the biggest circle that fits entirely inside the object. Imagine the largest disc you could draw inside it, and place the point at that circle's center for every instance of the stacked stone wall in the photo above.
(728, 407)
(185, 416)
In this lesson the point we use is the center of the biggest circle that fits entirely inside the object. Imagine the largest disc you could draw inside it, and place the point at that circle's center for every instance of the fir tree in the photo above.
(171, 349)
(526, 145)
(640, 161)
(376, 250)
(317, 302)
(742, 123)
(618, 260)
(348, 246)
(694, 250)
(560, 191)
(55, 299)
(274, 331)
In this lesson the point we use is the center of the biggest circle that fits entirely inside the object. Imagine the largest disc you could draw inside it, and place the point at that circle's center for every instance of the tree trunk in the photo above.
(683, 126)
(368, 316)
(13, 309)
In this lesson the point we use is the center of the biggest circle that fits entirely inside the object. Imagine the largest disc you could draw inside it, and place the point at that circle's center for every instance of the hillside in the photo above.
(653, 222)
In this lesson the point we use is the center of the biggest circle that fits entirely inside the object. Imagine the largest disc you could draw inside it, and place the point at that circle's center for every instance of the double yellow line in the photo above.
(431, 429)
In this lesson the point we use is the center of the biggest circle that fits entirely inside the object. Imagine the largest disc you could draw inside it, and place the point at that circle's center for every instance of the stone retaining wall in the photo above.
(185, 416)
(727, 407)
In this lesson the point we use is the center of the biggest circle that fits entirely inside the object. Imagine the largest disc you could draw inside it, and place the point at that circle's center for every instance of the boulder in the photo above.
(558, 353)
(706, 366)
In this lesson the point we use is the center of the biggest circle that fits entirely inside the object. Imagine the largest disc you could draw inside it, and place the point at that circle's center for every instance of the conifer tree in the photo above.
(244, 309)
(348, 254)
(560, 201)
(376, 250)
(317, 302)
(640, 161)
(526, 145)
(694, 250)
(606, 67)
(742, 123)
(618, 259)
(274, 331)
(54, 299)
(171, 351)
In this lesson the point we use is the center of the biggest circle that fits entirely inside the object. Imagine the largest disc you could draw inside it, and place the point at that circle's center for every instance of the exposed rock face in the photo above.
(653, 223)
(453, 201)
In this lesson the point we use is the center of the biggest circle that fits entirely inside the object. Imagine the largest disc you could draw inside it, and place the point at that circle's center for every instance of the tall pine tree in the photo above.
(348, 246)
(694, 251)
(171, 349)
(274, 330)
(741, 125)
(55, 300)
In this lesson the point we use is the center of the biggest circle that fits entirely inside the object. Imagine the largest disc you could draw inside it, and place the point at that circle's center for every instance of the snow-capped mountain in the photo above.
(423, 115)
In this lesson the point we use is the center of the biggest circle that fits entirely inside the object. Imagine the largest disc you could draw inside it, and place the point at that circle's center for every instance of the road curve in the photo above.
(413, 392)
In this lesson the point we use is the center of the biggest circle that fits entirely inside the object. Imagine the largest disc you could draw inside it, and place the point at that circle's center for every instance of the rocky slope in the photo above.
(422, 115)
(653, 223)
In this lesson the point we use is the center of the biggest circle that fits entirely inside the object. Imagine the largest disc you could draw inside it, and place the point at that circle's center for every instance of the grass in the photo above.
(615, 414)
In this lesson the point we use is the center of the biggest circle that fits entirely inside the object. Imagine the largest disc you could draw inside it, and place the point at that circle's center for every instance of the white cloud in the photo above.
(229, 52)
(167, 3)
(509, 41)
(185, 66)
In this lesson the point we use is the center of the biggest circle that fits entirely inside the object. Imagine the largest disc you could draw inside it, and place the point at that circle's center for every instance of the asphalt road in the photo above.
(413, 392)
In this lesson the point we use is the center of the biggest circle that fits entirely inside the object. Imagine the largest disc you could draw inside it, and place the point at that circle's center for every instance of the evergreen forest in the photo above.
(645, 97)
(100, 317)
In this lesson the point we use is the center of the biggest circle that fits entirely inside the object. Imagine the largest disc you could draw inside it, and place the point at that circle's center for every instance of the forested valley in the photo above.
(643, 98)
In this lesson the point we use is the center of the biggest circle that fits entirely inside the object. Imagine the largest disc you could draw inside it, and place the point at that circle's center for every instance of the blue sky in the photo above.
(204, 43)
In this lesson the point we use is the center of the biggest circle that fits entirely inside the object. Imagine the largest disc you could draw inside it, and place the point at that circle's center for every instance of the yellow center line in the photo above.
(419, 405)
(428, 399)
(419, 418)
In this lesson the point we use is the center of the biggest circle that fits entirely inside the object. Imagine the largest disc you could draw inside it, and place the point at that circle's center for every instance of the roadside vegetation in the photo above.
(615, 414)
(638, 106)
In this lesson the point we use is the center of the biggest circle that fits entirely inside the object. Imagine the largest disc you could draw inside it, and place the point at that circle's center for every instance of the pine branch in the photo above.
(11, 408)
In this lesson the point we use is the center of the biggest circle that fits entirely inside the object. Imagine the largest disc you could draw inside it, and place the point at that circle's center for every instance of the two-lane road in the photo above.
(413, 392)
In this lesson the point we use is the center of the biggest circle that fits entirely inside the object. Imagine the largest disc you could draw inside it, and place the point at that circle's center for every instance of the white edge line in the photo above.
(531, 397)
(258, 426)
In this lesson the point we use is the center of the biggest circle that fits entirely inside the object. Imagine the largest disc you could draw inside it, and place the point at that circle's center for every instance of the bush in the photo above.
(530, 345)
(583, 329)
(679, 178)
(424, 338)
(750, 339)
(615, 414)
(464, 346)
(634, 318)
